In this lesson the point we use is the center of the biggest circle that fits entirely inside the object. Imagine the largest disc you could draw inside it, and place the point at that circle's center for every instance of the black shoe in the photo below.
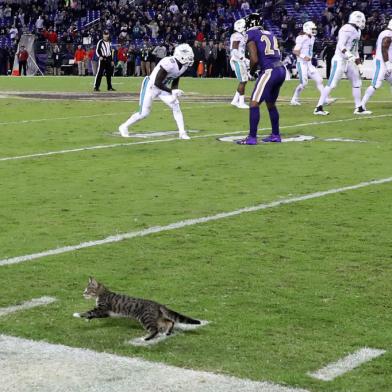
(111, 89)
(96, 89)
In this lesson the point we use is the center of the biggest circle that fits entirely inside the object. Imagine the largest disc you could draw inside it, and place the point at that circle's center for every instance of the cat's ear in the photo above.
(92, 281)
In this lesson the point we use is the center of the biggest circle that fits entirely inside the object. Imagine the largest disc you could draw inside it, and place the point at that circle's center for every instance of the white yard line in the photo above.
(27, 365)
(346, 364)
(43, 301)
(188, 222)
(45, 154)
(61, 118)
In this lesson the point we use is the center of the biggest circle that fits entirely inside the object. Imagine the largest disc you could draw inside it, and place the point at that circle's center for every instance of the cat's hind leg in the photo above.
(153, 332)
(170, 324)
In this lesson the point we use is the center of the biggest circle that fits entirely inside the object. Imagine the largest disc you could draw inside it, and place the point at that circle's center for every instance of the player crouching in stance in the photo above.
(346, 60)
(383, 67)
(264, 53)
(163, 83)
(303, 49)
(238, 62)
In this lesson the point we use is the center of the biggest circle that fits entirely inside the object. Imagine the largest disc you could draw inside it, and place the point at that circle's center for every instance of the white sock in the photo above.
(241, 99)
(236, 97)
(357, 96)
(177, 113)
(133, 119)
(297, 92)
(368, 94)
(320, 87)
(323, 97)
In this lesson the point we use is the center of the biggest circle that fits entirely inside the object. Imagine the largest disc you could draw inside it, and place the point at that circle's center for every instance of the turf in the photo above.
(287, 290)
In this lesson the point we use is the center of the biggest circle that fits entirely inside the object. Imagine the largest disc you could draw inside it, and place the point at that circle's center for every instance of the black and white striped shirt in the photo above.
(104, 49)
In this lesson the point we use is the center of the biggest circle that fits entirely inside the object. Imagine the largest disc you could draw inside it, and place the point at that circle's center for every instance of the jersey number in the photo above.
(268, 44)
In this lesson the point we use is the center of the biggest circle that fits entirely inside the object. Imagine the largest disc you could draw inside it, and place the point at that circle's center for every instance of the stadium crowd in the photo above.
(145, 31)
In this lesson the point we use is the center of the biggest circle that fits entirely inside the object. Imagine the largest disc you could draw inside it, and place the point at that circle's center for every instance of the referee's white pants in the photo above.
(148, 93)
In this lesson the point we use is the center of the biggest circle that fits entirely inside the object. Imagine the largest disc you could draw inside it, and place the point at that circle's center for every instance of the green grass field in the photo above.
(287, 289)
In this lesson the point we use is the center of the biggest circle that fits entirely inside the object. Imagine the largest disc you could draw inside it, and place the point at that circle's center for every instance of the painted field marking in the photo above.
(346, 364)
(188, 222)
(43, 301)
(140, 342)
(61, 118)
(27, 365)
(104, 146)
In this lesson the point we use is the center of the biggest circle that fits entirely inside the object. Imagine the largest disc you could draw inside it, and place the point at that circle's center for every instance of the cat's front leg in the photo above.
(94, 313)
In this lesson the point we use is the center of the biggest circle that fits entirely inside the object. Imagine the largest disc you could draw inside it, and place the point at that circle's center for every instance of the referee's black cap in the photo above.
(106, 32)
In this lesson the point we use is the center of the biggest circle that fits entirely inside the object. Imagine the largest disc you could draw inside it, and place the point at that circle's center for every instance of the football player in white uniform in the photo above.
(304, 51)
(382, 67)
(346, 60)
(163, 83)
(239, 64)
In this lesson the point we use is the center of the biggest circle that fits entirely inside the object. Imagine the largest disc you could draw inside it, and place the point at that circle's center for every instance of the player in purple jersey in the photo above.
(265, 56)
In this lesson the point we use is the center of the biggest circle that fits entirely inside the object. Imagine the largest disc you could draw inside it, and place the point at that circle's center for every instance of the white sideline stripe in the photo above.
(27, 365)
(60, 118)
(346, 364)
(96, 115)
(140, 342)
(188, 222)
(45, 154)
(27, 305)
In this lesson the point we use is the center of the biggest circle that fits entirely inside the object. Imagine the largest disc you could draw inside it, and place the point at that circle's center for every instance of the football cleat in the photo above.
(361, 111)
(183, 136)
(242, 105)
(319, 111)
(294, 102)
(249, 141)
(123, 129)
(272, 139)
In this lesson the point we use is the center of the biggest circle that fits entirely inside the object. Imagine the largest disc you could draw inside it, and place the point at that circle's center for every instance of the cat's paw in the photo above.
(77, 315)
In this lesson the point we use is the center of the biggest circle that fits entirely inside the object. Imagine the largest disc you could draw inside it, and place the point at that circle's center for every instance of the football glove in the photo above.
(350, 56)
(177, 93)
(388, 66)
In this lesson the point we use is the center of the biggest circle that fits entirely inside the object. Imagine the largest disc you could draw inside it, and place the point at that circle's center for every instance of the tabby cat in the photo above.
(154, 317)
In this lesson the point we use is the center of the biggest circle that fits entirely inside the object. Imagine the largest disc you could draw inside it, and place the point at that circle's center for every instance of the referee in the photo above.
(106, 63)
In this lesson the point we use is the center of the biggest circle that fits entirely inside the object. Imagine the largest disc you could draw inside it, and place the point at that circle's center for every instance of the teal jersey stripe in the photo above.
(300, 72)
(378, 67)
(143, 93)
(237, 71)
(332, 76)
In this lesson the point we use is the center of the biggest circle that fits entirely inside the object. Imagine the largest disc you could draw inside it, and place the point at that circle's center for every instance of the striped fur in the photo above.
(154, 317)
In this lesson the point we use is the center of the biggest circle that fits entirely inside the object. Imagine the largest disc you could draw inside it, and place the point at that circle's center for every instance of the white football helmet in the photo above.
(358, 19)
(390, 25)
(184, 54)
(239, 25)
(310, 28)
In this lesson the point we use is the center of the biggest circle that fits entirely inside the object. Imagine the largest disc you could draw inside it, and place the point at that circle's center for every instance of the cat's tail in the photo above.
(178, 317)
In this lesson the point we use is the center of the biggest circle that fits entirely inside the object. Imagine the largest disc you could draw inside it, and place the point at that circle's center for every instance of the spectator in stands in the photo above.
(80, 60)
(52, 36)
(13, 33)
(221, 61)
(131, 60)
(23, 56)
(57, 60)
(39, 24)
(146, 57)
(328, 53)
(159, 52)
(122, 54)
(3, 61)
(174, 8)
